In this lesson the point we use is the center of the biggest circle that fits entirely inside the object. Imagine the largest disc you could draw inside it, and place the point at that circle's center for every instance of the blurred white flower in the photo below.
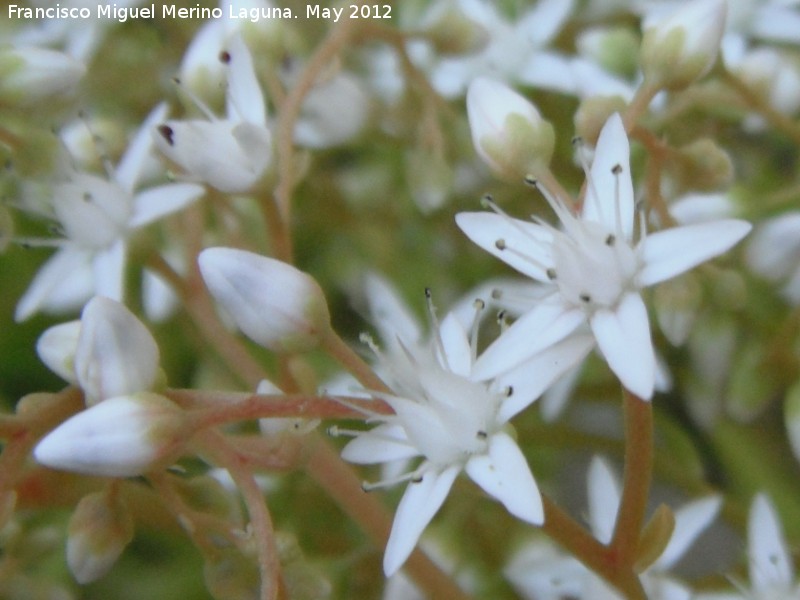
(772, 574)
(539, 571)
(229, 154)
(97, 215)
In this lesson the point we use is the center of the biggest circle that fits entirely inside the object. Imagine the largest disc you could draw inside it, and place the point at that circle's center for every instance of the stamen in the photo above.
(225, 57)
(616, 170)
(508, 391)
(195, 100)
(531, 181)
(500, 244)
(585, 297)
(502, 321)
(551, 274)
(437, 334)
(611, 239)
(476, 323)
(414, 477)
(481, 435)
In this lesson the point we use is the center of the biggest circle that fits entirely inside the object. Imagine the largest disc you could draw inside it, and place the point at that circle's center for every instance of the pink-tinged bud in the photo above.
(99, 530)
(34, 74)
(272, 303)
(683, 46)
(116, 355)
(508, 132)
(123, 436)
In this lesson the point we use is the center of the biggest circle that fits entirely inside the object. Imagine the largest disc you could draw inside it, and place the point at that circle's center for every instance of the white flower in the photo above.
(455, 424)
(109, 352)
(32, 74)
(122, 436)
(772, 574)
(594, 268)
(230, 154)
(272, 302)
(683, 46)
(539, 571)
(513, 50)
(774, 252)
(508, 132)
(97, 216)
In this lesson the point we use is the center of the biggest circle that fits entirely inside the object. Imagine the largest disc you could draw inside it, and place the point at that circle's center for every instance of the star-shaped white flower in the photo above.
(455, 424)
(772, 574)
(97, 216)
(594, 267)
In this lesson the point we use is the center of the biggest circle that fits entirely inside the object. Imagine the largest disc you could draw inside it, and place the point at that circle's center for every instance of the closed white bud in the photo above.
(98, 532)
(508, 132)
(123, 436)
(32, 74)
(116, 355)
(56, 348)
(683, 46)
(272, 303)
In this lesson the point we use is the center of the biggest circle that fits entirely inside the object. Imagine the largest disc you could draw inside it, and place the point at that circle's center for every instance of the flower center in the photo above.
(593, 268)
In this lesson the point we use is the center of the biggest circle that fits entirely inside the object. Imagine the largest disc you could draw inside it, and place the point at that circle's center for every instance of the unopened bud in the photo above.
(508, 132)
(56, 348)
(593, 113)
(33, 74)
(99, 530)
(683, 46)
(124, 436)
(116, 355)
(272, 302)
(450, 31)
(703, 166)
(677, 302)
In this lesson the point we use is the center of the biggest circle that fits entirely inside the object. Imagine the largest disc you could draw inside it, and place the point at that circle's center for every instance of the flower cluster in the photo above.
(211, 218)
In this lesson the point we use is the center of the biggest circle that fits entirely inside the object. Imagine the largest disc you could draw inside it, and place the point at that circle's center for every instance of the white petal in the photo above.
(671, 252)
(773, 248)
(50, 275)
(690, 521)
(504, 473)
(609, 196)
(389, 313)
(531, 378)
(623, 336)
(604, 497)
(533, 241)
(154, 203)
(769, 559)
(419, 504)
(245, 100)
(56, 348)
(109, 271)
(134, 160)
(542, 23)
(457, 350)
(544, 325)
(382, 444)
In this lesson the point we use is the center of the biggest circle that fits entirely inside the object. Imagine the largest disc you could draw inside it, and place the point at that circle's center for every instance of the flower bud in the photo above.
(272, 303)
(116, 355)
(508, 132)
(98, 532)
(32, 74)
(593, 113)
(450, 31)
(123, 436)
(683, 47)
(702, 166)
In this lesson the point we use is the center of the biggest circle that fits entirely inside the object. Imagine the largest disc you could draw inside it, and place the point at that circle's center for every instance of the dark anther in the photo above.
(616, 169)
(585, 297)
(551, 273)
(482, 435)
(167, 133)
(531, 180)
(500, 244)
(225, 57)
(610, 239)
(428, 293)
(509, 391)
(576, 140)
(417, 479)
